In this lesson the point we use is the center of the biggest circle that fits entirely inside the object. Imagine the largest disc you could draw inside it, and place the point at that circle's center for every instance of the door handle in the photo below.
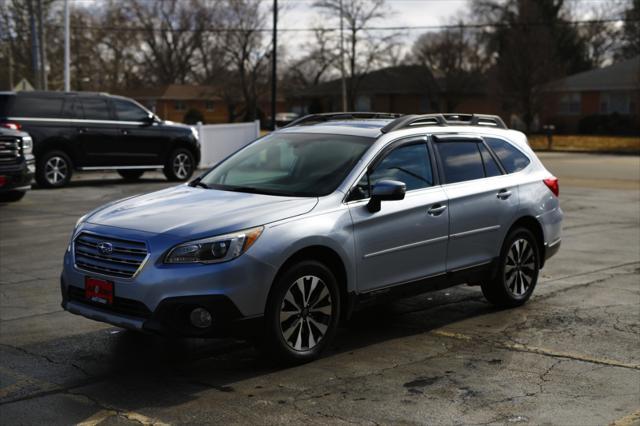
(436, 210)
(82, 130)
(125, 132)
(504, 194)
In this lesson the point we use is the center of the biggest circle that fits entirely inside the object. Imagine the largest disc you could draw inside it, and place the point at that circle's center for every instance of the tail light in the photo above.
(553, 184)
(12, 126)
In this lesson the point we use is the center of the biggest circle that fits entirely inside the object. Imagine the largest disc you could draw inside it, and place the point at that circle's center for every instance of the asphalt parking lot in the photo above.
(570, 356)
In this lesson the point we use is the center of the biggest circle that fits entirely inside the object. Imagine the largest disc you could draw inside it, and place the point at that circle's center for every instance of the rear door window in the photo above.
(511, 158)
(461, 161)
(96, 109)
(490, 166)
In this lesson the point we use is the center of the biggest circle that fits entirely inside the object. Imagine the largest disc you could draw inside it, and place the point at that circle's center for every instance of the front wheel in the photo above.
(518, 270)
(302, 313)
(180, 165)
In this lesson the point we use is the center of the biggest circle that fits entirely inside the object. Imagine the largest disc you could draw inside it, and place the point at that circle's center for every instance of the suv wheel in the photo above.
(180, 165)
(131, 174)
(54, 170)
(302, 313)
(517, 273)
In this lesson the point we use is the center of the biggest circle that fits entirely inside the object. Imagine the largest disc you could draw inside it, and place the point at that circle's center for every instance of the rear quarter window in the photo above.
(511, 158)
(36, 107)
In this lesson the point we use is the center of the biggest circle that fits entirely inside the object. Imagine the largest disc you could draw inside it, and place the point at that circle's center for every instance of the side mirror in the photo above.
(149, 119)
(386, 190)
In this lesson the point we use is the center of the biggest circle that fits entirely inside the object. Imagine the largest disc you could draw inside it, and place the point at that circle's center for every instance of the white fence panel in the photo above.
(217, 141)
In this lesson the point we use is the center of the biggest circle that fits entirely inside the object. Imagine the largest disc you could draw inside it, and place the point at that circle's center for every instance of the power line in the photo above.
(331, 29)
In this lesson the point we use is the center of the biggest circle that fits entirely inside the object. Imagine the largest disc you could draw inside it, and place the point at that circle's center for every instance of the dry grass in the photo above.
(628, 144)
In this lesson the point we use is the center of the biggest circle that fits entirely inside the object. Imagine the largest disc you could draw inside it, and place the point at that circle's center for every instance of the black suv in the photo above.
(98, 131)
(16, 164)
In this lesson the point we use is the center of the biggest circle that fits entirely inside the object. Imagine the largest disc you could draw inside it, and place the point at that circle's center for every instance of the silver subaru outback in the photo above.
(288, 236)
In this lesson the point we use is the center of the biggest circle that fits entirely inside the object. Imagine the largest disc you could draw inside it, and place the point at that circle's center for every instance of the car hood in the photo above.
(197, 212)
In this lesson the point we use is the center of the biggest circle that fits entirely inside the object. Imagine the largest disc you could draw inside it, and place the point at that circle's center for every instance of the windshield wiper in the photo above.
(198, 182)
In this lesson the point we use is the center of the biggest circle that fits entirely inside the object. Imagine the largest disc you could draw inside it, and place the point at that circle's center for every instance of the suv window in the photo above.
(408, 163)
(36, 107)
(511, 158)
(490, 166)
(95, 109)
(461, 161)
(129, 111)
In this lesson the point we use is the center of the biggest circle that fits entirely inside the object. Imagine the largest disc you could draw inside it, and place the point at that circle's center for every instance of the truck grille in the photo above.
(109, 256)
(9, 150)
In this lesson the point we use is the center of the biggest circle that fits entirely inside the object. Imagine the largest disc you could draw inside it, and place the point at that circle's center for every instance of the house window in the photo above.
(180, 106)
(616, 103)
(209, 106)
(570, 104)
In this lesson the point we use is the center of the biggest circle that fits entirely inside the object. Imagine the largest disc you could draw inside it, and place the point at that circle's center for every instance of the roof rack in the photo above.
(409, 121)
(334, 116)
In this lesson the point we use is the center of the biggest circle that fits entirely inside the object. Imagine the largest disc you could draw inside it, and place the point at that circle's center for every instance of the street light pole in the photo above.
(67, 54)
(274, 65)
(344, 81)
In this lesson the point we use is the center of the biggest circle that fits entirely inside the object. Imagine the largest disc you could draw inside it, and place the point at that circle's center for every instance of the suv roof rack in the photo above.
(409, 121)
(335, 116)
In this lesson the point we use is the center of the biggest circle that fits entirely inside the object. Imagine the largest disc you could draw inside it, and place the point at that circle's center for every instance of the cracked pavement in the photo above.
(570, 356)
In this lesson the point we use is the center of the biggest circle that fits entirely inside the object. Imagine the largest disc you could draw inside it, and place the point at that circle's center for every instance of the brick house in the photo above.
(603, 100)
(406, 89)
(171, 102)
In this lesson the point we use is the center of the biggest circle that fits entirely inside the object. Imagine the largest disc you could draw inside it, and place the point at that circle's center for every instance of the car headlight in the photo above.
(27, 145)
(215, 249)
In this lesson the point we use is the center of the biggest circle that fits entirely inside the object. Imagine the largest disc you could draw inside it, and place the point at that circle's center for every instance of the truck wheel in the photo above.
(180, 165)
(54, 169)
(11, 196)
(302, 313)
(130, 175)
(517, 273)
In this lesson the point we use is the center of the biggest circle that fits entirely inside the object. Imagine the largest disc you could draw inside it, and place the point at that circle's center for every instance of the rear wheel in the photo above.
(180, 165)
(302, 313)
(11, 196)
(131, 174)
(518, 270)
(54, 169)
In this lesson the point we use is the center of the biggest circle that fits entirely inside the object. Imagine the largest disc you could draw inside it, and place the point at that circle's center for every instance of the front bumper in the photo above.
(160, 297)
(17, 177)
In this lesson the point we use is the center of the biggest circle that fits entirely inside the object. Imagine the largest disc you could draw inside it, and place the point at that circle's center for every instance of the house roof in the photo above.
(183, 92)
(623, 75)
(404, 79)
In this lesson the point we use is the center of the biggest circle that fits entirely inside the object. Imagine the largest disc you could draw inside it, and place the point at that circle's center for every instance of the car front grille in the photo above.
(109, 256)
(9, 150)
(120, 305)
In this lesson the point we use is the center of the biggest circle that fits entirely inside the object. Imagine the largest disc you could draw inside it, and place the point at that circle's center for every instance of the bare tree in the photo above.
(312, 68)
(630, 43)
(364, 49)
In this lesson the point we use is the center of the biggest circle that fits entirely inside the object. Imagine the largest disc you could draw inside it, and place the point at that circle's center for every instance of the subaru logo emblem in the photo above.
(105, 248)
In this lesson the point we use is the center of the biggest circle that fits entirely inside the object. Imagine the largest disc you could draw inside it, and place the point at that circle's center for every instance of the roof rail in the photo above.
(334, 116)
(409, 121)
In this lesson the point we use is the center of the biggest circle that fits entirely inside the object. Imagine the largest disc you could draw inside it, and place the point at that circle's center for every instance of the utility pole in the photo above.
(67, 51)
(43, 48)
(274, 65)
(35, 56)
(344, 81)
(10, 52)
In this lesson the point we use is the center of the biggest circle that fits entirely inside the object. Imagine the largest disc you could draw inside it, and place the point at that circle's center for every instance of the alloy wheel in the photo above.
(56, 170)
(520, 267)
(305, 313)
(182, 165)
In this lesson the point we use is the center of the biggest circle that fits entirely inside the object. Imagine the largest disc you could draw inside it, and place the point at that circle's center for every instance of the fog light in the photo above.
(200, 318)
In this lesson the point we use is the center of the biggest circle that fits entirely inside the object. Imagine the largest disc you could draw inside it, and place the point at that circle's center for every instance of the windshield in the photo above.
(291, 164)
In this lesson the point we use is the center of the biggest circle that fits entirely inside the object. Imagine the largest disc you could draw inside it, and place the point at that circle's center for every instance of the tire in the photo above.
(295, 333)
(54, 169)
(12, 196)
(131, 175)
(180, 165)
(517, 273)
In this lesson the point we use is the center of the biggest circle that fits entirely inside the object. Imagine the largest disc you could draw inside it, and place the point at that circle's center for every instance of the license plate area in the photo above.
(99, 291)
